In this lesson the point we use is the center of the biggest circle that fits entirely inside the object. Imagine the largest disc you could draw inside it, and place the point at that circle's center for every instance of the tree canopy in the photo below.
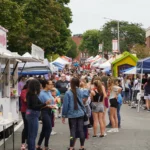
(141, 51)
(90, 41)
(12, 19)
(72, 52)
(44, 23)
(130, 35)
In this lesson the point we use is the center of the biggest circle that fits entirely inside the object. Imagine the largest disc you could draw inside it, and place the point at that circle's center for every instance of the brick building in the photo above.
(148, 37)
(82, 56)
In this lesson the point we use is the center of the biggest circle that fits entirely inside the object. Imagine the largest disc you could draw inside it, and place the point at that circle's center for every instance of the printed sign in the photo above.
(115, 46)
(100, 48)
(37, 52)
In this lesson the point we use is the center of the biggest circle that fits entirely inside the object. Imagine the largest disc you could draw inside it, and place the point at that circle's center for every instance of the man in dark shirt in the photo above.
(144, 80)
(62, 85)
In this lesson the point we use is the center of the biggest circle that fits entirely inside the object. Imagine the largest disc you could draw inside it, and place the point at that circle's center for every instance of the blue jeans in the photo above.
(126, 96)
(46, 128)
(118, 114)
(32, 118)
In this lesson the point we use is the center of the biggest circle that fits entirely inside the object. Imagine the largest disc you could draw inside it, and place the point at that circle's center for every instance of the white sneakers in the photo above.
(23, 146)
(53, 132)
(113, 130)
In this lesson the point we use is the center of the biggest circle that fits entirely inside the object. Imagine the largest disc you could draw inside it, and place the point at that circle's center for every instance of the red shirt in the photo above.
(23, 100)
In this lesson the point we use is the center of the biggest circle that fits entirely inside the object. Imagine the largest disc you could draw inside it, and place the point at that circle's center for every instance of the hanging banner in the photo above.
(37, 52)
(3, 37)
(115, 46)
(100, 48)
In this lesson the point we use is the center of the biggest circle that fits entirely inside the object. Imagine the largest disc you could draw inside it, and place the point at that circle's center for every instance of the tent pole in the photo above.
(138, 110)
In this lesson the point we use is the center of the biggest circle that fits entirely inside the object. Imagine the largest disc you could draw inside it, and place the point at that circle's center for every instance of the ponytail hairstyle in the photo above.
(112, 82)
(74, 84)
(98, 85)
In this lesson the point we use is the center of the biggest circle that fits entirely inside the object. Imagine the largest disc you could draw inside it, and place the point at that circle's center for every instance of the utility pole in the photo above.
(118, 30)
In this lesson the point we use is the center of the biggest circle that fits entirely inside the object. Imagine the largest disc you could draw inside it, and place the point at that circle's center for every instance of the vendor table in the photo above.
(4, 124)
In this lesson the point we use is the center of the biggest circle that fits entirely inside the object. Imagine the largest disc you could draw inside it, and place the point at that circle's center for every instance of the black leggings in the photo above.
(46, 128)
(25, 129)
(76, 125)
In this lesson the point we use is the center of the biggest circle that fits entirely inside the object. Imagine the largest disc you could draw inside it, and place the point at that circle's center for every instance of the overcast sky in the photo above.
(89, 14)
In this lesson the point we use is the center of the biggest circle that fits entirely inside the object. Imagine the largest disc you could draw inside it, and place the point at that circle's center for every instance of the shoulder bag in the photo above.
(85, 115)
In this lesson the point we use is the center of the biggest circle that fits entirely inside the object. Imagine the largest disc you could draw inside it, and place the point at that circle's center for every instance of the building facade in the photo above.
(148, 37)
(82, 56)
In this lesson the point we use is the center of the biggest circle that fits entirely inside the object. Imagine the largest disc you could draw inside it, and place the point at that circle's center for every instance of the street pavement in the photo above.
(133, 135)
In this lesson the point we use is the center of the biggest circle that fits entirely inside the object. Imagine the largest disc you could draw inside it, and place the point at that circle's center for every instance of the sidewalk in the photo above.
(134, 134)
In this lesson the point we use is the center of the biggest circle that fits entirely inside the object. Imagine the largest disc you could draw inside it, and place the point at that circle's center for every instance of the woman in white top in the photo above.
(114, 91)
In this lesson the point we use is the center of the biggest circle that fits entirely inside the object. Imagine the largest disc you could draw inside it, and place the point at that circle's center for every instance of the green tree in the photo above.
(11, 19)
(72, 49)
(44, 23)
(90, 41)
(141, 51)
(47, 25)
(130, 34)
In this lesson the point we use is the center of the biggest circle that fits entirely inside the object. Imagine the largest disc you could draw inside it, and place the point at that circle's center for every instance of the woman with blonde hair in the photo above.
(114, 90)
(97, 97)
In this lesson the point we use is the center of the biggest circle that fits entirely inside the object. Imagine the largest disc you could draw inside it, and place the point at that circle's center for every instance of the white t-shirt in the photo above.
(137, 85)
(68, 77)
(114, 91)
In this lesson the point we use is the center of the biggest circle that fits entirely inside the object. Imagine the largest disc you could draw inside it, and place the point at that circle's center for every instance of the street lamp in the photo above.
(118, 28)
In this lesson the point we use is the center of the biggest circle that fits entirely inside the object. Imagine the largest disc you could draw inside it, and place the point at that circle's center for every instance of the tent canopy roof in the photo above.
(130, 71)
(123, 56)
(143, 65)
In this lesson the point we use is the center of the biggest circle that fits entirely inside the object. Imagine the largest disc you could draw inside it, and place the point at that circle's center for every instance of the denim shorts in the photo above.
(97, 107)
(147, 97)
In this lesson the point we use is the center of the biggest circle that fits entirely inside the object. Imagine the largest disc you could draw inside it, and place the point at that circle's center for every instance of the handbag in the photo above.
(85, 115)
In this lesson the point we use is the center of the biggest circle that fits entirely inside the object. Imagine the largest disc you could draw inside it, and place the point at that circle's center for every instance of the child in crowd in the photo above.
(54, 111)
(120, 100)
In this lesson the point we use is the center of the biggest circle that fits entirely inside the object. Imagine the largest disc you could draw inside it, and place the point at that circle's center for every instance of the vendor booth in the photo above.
(34, 68)
(9, 98)
(143, 66)
(125, 61)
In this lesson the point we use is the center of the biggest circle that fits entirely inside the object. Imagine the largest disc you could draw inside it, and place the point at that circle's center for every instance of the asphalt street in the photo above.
(133, 135)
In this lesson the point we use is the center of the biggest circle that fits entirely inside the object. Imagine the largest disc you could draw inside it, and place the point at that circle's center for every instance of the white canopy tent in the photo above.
(61, 61)
(89, 58)
(107, 64)
(53, 68)
(94, 58)
(131, 71)
(35, 65)
(98, 62)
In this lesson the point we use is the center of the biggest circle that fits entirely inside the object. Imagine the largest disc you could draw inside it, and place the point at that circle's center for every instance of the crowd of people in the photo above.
(83, 99)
